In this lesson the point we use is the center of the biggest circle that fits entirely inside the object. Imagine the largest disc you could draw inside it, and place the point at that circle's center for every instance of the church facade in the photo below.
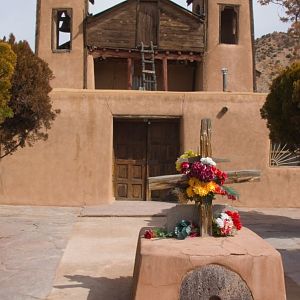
(132, 84)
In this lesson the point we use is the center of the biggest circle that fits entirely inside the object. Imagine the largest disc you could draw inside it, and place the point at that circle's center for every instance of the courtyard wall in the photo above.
(74, 167)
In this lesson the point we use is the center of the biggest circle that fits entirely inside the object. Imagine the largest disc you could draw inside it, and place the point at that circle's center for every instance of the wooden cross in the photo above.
(205, 150)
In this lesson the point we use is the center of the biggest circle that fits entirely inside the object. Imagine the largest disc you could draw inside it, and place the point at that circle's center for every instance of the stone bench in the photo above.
(242, 267)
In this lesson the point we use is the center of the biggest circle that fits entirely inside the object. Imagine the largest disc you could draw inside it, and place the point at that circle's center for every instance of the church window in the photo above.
(199, 10)
(61, 30)
(229, 24)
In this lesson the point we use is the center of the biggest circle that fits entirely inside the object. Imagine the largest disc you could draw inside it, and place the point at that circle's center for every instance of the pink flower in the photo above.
(227, 229)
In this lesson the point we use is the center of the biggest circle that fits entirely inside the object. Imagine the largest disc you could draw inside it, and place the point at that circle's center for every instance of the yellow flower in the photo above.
(200, 190)
(193, 181)
(203, 188)
(190, 192)
(178, 166)
(188, 154)
(211, 186)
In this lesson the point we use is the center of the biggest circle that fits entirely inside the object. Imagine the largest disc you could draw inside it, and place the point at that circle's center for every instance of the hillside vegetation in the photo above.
(273, 52)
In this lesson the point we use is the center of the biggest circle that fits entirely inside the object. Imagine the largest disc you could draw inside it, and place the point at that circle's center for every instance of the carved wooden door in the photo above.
(130, 142)
(163, 150)
(143, 148)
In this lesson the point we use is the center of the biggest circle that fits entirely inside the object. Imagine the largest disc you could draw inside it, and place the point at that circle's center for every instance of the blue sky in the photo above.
(18, 17)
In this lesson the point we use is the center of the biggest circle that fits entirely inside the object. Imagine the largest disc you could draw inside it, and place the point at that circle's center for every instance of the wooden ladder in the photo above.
(149, 82)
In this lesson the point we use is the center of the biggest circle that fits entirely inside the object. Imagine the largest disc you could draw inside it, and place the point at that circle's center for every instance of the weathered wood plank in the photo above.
(128, 24)
(170, 181)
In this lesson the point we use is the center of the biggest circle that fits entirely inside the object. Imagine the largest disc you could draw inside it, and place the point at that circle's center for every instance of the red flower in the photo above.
(220, 191)
(220, 175)
(235, 218)
(149, 234)
(185, 167)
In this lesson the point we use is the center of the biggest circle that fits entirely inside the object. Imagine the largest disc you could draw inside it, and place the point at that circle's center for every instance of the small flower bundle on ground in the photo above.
(182, 230)
(227, 223)
(204, 180)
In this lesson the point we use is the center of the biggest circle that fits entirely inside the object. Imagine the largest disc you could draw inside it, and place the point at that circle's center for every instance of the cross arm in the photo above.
(170, 181)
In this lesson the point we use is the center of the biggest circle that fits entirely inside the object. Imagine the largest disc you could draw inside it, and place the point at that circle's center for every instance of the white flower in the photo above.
(207, 161)
(220, 222)
(224, 216)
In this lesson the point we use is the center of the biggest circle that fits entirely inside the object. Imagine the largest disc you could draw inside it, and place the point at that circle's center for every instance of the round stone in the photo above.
(214, 282)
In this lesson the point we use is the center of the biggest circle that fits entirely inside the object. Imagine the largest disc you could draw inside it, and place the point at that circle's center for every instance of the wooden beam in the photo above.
(129, 73)
(170, 181)
(165, 74)
(122, 53)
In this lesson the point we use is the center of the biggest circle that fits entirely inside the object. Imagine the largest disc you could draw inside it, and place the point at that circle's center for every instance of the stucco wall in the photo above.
(74, 166)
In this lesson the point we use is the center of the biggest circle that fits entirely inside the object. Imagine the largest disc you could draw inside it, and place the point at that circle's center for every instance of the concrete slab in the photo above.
(32, 240)
(99, 259)
(128, 209)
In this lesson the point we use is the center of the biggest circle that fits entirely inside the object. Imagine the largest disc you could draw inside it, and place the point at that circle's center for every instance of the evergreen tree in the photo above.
(30, 101)
(282, 107)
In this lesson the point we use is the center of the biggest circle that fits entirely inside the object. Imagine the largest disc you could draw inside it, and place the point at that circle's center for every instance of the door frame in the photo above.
(145, 118)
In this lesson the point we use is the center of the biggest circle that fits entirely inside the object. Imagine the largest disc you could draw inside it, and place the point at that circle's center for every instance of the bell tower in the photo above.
(60, 40)
(198, 7)
(228, 63)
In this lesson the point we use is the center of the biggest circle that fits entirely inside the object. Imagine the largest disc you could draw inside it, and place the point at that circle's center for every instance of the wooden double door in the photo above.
(143, 148)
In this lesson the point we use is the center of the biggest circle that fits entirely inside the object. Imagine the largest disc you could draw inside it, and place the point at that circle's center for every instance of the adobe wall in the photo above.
(74, 166)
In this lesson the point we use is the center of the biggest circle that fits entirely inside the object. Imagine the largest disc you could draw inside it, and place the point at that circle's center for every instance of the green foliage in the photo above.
(7, 67)
(231, 191)
(30, 101)
(282, 107)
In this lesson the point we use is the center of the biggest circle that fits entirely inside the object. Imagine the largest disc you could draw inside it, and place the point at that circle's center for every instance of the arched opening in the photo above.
(229, 25)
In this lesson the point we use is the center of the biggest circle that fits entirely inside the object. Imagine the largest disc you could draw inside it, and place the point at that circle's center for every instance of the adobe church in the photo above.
(132, 84)
(191, 48)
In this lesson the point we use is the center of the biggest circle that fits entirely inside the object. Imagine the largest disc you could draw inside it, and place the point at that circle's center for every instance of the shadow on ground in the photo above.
(101, 287)
(270, 226)
(292, 289)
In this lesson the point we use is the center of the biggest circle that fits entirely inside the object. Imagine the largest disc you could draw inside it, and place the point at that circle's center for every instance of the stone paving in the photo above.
(96, 254)
(32, 240)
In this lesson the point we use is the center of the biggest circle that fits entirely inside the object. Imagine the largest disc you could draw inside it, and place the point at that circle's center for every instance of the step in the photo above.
(148, 71)
(147, 51)
(151, 81)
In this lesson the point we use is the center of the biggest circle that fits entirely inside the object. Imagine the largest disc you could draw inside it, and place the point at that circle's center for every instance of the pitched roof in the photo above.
(170, 2)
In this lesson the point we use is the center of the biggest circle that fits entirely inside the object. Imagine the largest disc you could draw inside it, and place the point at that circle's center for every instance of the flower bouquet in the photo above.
(204, 181)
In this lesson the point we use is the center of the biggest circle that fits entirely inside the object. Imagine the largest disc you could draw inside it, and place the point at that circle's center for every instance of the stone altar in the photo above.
(162, 267)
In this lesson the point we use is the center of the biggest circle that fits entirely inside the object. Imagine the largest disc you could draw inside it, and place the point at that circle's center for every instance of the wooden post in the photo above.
(205, 138)
(165, 73)
(129, 73)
